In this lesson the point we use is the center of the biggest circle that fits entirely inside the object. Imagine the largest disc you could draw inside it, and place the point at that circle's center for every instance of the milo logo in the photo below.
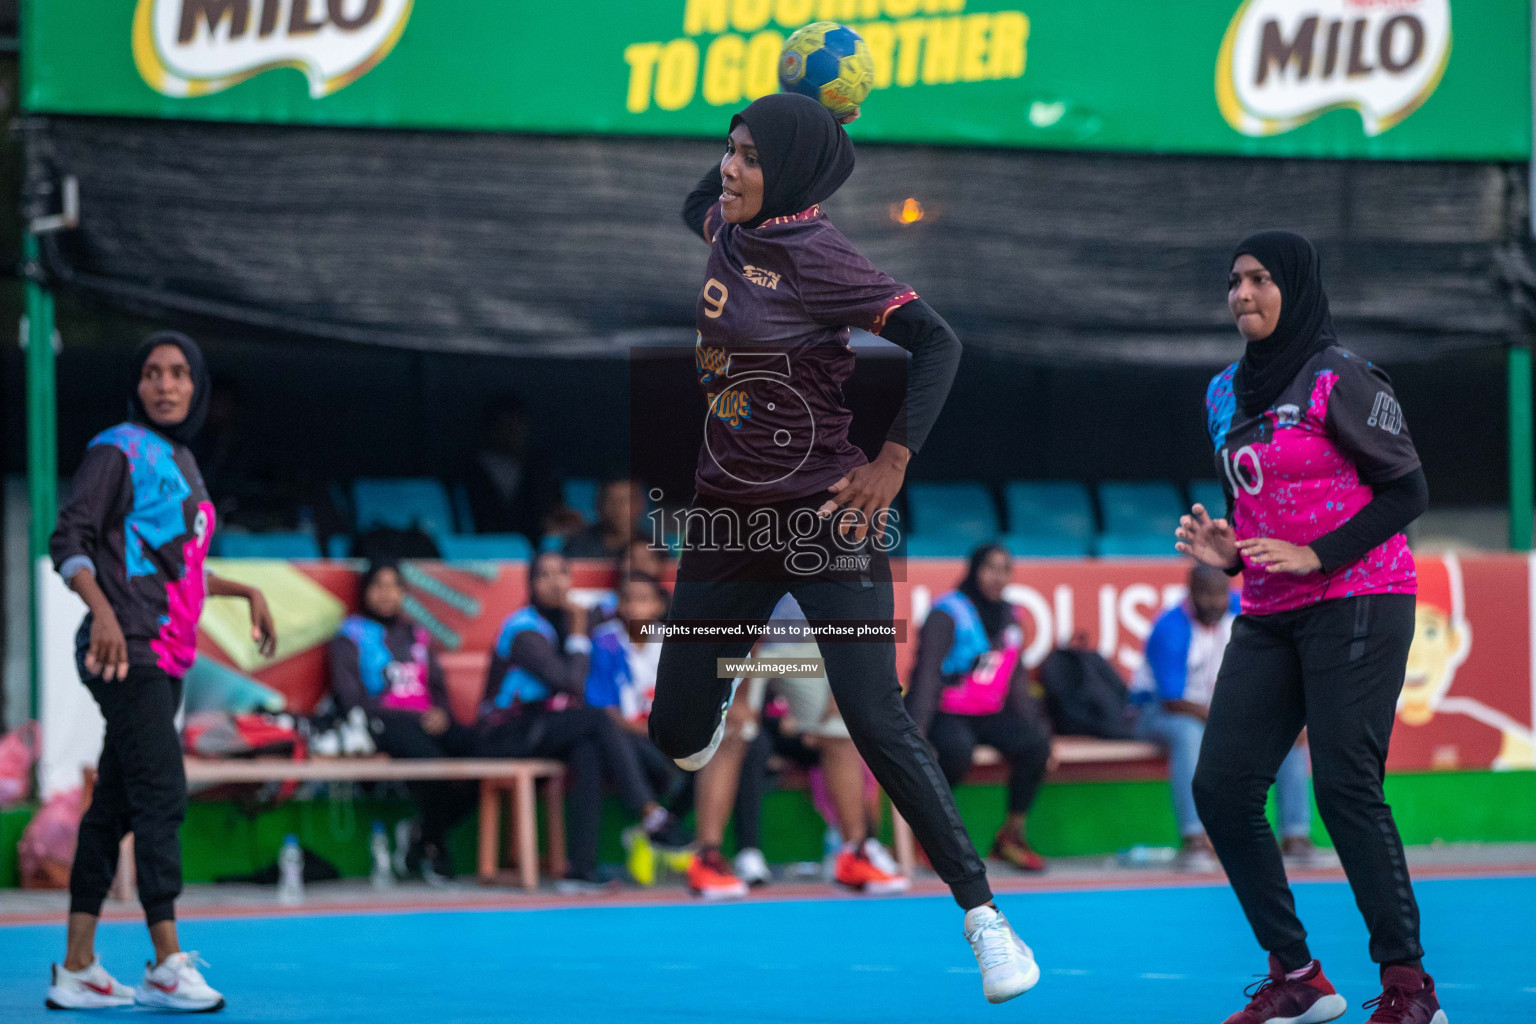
(196, 47)
(1285, 62)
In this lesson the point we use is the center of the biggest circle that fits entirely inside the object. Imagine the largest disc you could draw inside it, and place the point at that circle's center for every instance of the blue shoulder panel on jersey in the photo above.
(373, 655)
(159, 488)
(1220, 405)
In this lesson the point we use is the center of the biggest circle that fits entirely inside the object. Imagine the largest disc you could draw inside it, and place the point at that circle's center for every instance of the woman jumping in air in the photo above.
(785, 504)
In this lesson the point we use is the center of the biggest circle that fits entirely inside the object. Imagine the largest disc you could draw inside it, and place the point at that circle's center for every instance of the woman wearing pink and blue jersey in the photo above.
(132, 542)
(1321, 478)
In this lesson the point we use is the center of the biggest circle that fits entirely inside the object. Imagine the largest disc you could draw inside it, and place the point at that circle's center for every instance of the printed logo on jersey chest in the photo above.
(709, 361)
(1386, 414)
(759, 276)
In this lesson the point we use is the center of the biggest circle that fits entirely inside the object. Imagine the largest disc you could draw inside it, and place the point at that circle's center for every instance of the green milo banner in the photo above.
(1399, 79)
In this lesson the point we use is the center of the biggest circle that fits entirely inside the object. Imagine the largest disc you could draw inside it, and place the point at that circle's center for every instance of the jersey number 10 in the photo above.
(1243, 469)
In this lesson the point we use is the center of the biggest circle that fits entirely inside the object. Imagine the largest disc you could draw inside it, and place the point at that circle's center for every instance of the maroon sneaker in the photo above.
(1309, 999)
(1407, 997)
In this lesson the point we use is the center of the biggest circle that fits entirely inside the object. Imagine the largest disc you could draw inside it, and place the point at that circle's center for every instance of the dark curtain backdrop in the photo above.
(535, 246)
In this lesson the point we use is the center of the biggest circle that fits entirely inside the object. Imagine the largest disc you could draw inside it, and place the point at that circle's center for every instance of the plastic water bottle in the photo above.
(1142, 856)
(383, 876)
(831, 846)
(290, 873)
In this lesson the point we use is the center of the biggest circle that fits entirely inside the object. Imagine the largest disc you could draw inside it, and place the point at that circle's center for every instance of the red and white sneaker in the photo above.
(1407, 997)
(709, 877)
(855, 870)
(176, 984)
(90, 989)
(1280, 999)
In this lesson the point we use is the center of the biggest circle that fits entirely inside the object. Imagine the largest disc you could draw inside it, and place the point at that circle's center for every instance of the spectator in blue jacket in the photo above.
(534, 707)
(1172, 692)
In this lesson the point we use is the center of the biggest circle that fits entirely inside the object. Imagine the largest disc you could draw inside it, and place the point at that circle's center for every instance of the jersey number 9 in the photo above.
(715, 295)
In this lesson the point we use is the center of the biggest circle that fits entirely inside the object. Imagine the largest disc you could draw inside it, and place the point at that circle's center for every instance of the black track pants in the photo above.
(141, 787)
(1335, 667)
(744, 586)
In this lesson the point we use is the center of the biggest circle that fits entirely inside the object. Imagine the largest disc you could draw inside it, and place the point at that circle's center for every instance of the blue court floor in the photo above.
(1174, 955)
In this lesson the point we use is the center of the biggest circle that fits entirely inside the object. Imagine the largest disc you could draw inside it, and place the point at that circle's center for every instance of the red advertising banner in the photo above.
(1467, 700)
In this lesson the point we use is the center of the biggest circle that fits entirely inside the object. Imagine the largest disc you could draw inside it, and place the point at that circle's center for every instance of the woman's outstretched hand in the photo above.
(263, 626)
(1207, 540)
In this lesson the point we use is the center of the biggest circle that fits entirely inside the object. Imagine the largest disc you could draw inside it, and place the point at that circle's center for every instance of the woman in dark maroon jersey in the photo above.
(785, 504)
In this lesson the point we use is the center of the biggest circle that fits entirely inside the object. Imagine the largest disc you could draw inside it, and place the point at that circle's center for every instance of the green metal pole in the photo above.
(42, 439)
(1520, 448)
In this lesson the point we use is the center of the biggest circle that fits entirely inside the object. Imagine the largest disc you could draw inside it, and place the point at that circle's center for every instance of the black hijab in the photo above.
(369, 575)
(197, 411)
(804, 153)
(995, 615)
(555, 615)
(1305, 326)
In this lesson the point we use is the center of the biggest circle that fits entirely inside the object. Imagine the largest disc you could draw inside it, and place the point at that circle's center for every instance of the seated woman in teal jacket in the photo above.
(534, 707)
(382, 662)
(969, 687)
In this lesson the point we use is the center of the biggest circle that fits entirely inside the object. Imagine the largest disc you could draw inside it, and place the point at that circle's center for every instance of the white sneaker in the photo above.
(177, 985)
(1008, 968)
(880, 857)
(694, 762)
(90, 989)
(752, 867)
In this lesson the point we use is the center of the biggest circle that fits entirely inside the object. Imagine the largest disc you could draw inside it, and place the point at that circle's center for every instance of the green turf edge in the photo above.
(1069, 819)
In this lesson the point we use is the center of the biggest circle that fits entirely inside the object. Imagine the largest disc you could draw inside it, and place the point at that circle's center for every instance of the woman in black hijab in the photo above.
(382, 662)
(1321, 479)
(783, 288)
(535, 691)
(132, 542)
(969, 687)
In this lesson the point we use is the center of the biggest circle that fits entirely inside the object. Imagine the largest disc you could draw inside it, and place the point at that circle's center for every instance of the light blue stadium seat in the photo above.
(338, 545)
(463, 512)
(1137, 545)
(1142, 507)
(581, 494)
(960, 513)
(1037, 545)
(1049, 508)
(485, 547)
(403, 503)
(1209, 494)
(266, 545)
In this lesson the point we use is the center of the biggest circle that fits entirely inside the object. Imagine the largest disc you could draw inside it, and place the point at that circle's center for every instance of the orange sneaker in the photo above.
(855, 870)
(710, 877)
(1012, 849)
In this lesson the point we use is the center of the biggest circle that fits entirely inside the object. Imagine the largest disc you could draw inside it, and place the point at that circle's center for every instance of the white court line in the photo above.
(1164, 977)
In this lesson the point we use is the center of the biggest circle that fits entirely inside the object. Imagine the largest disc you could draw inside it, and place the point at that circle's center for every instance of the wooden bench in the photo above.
(1076, 757)
(517, 778)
